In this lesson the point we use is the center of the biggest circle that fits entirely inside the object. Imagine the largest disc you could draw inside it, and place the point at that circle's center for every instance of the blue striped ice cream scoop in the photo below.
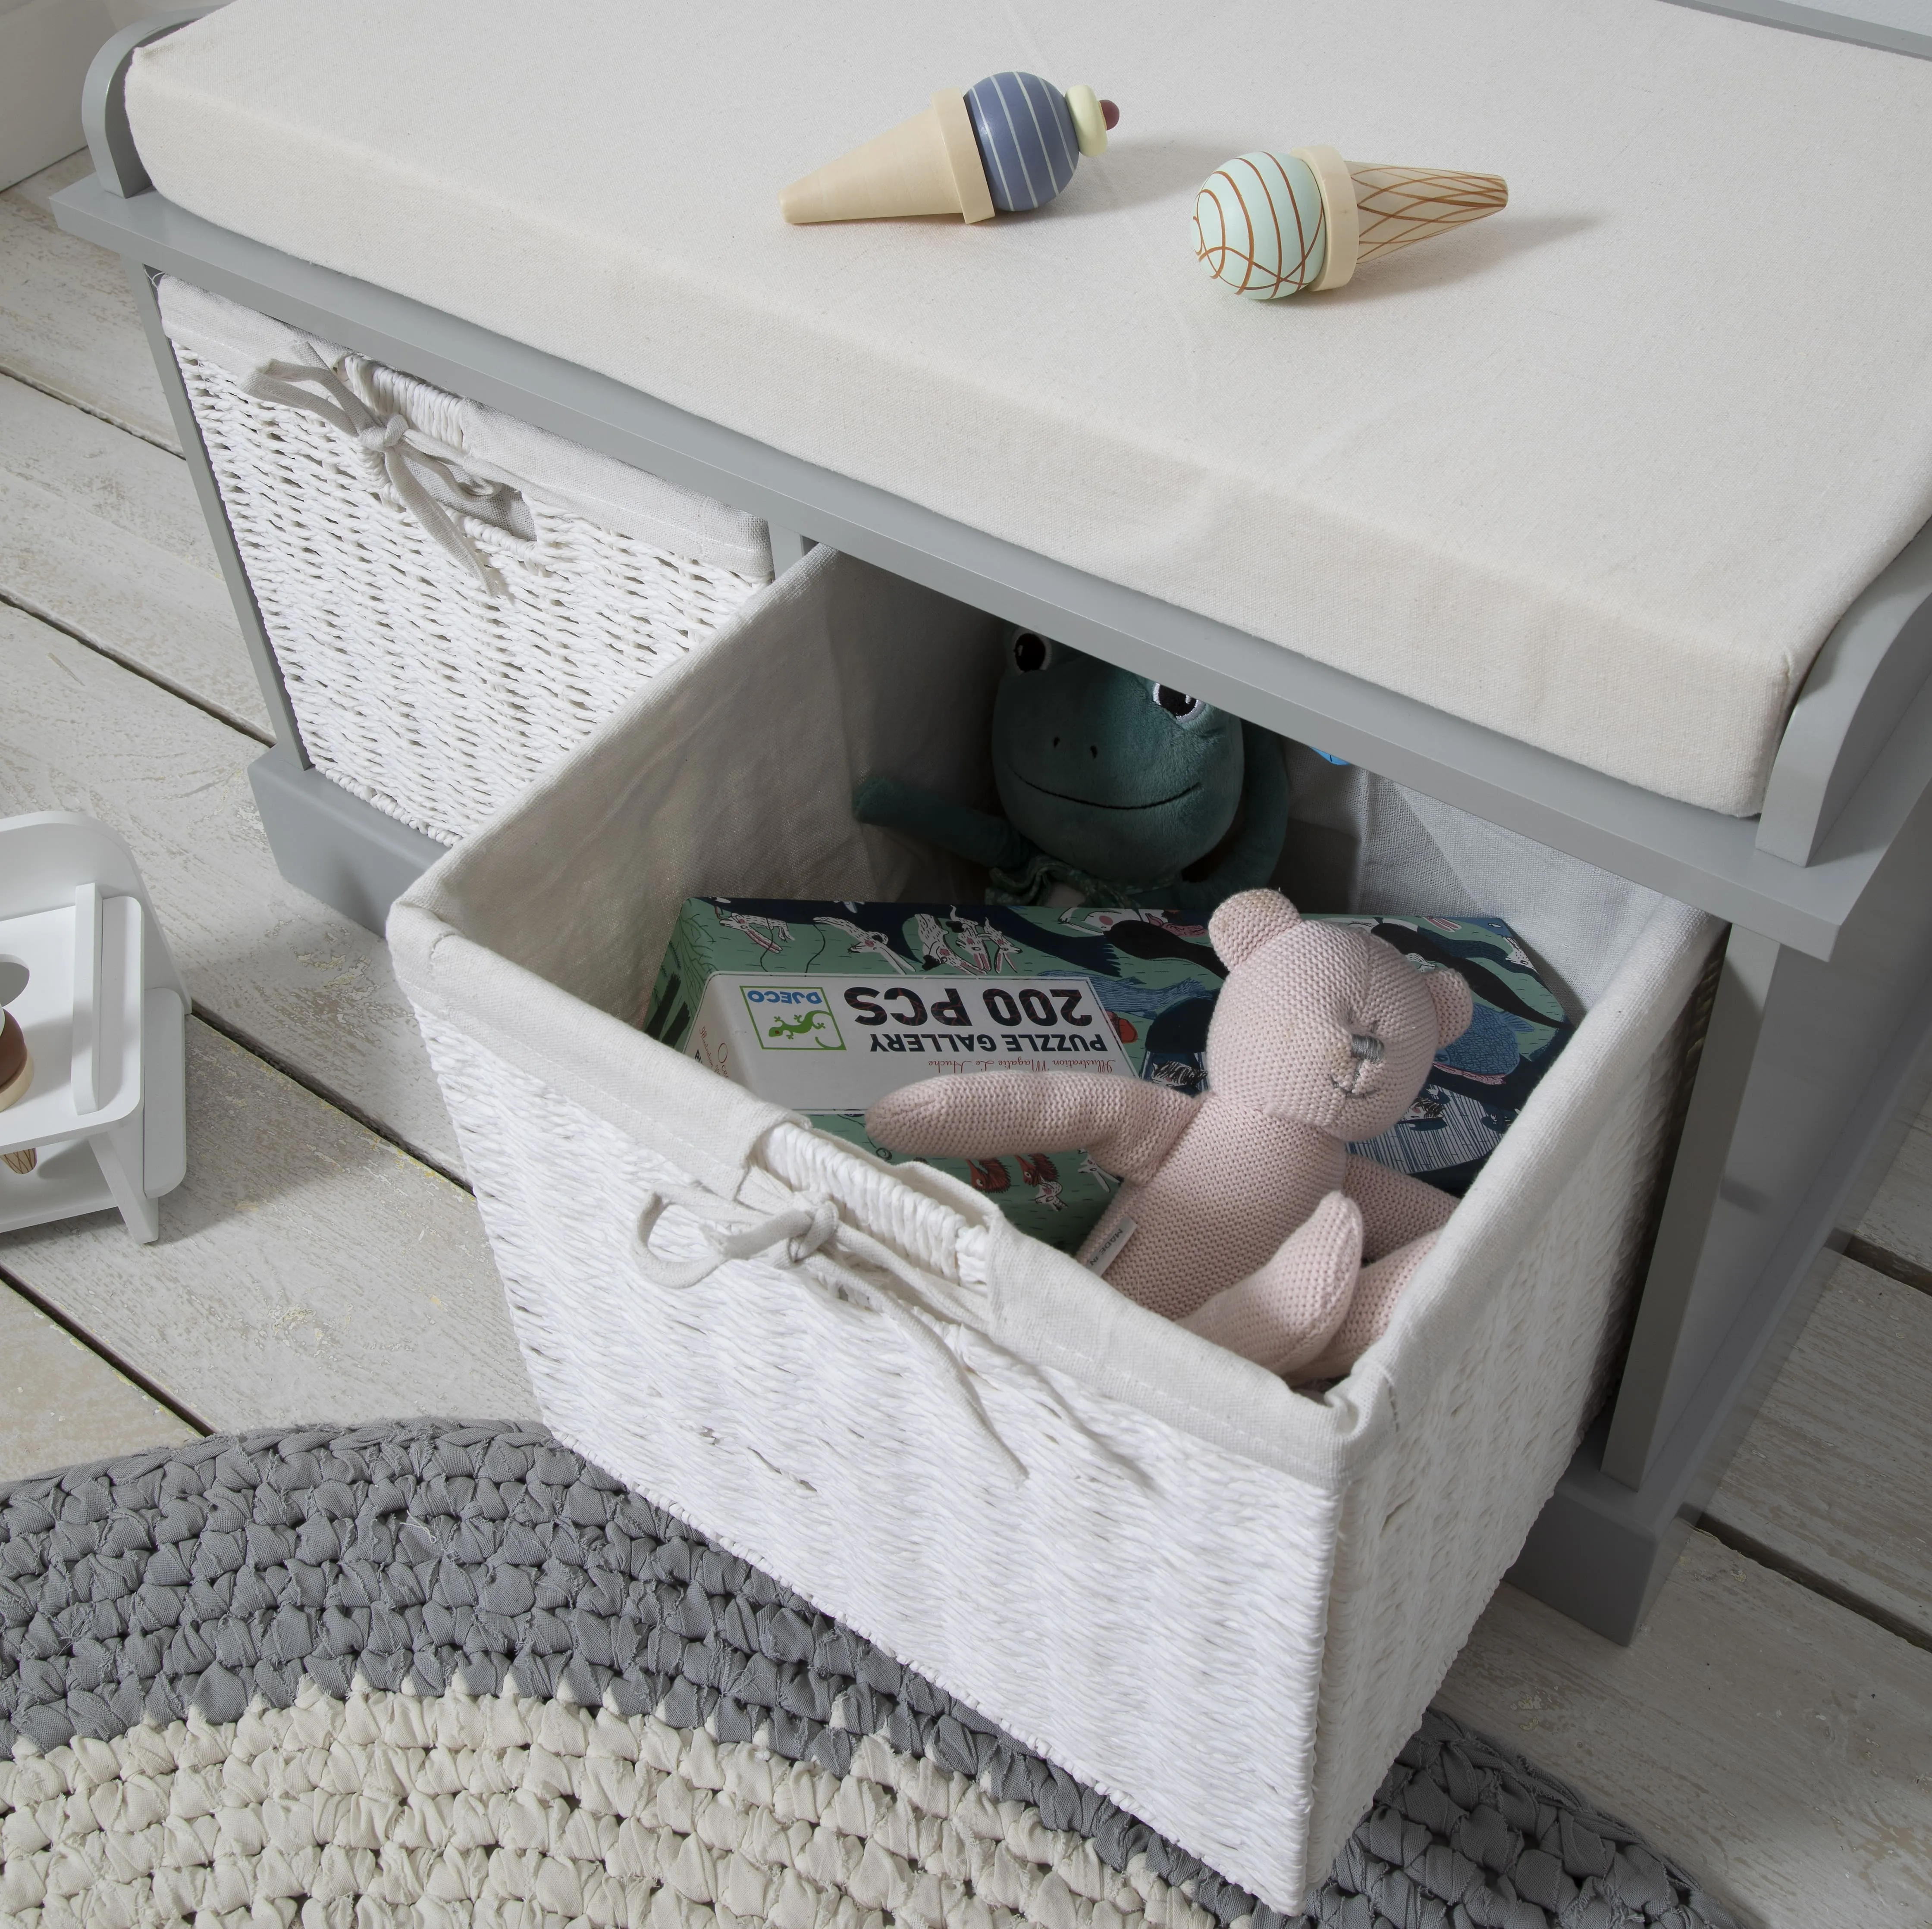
(1009, 143)
(1028, 138)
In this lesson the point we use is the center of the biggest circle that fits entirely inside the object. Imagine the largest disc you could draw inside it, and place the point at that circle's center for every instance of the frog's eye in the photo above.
(1031, 652)
(1178, 705)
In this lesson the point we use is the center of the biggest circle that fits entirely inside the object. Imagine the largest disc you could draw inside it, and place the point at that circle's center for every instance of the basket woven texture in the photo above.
(1222, 1603)
(434, 1673)
(415, 689)
(1221, 1647)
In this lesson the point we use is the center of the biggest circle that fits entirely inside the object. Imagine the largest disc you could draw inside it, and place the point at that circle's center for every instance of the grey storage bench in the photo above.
(1597, 522)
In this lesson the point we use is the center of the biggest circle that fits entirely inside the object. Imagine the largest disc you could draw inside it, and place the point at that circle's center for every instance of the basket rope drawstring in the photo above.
(384, 445)
(803, 1229)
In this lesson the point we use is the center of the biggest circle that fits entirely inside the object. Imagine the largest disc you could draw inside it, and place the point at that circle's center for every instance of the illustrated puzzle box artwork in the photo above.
(824, 1007)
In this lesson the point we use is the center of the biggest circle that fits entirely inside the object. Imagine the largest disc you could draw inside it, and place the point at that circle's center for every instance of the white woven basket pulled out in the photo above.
(416, 687)
(1223, 1603)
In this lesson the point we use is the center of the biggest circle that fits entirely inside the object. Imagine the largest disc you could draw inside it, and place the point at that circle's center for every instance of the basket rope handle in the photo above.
(803, 1230)
(385, 447)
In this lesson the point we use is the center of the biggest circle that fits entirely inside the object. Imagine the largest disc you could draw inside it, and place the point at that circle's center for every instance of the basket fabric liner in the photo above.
(425, 1662)
(996, 1467)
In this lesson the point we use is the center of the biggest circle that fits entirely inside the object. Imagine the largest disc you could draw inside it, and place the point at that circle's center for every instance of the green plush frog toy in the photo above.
(1114, 788)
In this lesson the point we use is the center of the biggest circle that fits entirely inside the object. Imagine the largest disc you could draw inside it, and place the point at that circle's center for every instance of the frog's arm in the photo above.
(1254, 853)
(972, 835)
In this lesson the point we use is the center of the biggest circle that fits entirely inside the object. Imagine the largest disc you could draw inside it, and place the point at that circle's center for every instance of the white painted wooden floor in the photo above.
(1772, 1726)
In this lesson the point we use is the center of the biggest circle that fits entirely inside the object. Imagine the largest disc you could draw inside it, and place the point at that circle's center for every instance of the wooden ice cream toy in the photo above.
(1006, 144)
(1273, 225)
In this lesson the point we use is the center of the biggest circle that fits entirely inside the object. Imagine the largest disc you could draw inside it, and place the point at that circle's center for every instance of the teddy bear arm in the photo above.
(1140, 1126)
(1127, 1125)
(1397, 1207)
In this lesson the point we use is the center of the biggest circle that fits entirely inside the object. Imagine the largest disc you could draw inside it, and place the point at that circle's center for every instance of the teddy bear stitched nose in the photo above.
(1364, 1052)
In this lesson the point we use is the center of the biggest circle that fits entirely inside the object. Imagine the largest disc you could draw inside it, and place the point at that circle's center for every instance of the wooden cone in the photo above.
(1397, 205)
(928, 165)
(23, 1163)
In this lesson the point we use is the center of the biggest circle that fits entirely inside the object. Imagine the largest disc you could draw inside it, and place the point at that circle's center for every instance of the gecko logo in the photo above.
(792, 1018)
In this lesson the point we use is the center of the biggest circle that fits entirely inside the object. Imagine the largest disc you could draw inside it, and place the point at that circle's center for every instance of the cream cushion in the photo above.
(1601, 471)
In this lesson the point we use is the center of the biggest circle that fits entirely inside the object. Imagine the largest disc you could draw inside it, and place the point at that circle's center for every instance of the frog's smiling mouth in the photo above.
(1068, 797)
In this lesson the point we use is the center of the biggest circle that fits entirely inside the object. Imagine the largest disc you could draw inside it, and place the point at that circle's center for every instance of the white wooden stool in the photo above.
(84, 969)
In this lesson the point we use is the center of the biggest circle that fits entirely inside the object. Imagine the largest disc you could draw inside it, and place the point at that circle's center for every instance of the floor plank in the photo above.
(1835, 1475)
(38, 190)
(1899, 1220)
(315, 992)
(101, 532)
(1773, 1742)
(306, 1270)
(67, 323)
(60, 1404)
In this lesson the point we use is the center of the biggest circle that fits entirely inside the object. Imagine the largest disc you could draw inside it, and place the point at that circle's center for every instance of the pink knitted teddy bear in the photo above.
(1244, 1215)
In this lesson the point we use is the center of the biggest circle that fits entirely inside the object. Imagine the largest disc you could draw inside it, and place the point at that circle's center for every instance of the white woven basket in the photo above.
(416, 687)
(1224, 1604)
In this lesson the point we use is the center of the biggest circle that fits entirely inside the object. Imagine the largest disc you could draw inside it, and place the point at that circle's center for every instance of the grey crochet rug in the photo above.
(454, 1673)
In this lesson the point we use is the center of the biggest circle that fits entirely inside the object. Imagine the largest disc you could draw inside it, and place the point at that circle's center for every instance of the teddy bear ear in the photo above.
(1246, 921)
(1455, 1004)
